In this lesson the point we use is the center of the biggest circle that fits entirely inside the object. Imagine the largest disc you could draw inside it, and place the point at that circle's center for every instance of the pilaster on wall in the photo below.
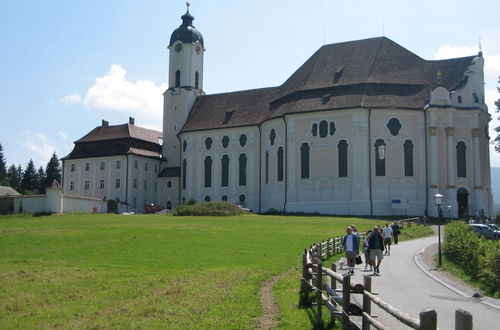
(478, 189)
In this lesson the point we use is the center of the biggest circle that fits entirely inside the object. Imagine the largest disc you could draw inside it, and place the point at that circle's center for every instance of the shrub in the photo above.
(474, 254)
(219, 208)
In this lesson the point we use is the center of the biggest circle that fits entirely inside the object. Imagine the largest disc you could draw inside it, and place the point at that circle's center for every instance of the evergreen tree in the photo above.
(15, 174)
(28, 183)
(496, 142)
(3, 168)
(53, 170)
(41, 178)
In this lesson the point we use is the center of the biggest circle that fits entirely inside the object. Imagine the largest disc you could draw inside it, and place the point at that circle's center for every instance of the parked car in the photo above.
(485, 231)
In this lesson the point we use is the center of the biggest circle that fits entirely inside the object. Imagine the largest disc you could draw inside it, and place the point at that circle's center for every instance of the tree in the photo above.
(41, 179)
(15, 174)
(53, 170)
(3, 168)
(496, 142)
(28, 183)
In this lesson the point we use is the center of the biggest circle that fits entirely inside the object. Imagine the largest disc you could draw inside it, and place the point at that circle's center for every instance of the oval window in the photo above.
(323, 129)
(208, 143)
(394, 126)
(272, 136)
(243, 140)
(225, 141)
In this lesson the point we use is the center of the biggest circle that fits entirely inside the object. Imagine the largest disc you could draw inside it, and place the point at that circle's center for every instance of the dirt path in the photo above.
(270, 310)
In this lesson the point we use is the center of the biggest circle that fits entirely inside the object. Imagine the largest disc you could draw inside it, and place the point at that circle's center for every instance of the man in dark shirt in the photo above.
(376, 246)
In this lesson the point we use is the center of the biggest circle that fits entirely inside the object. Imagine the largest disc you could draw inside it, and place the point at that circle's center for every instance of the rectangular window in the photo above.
(281, 153)
(408, 158)
(145, 185)
(118, 164)
(136, 164)
(380, 155)
(103, 165)
(117, 183)
(101, 186)
(87, 185)
(135, 183)
(87, 166)
(72, 185)
(73, 167)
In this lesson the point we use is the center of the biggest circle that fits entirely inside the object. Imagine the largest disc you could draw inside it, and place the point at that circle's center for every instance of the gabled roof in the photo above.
(8, 191)
(374, 73)
(102, 133)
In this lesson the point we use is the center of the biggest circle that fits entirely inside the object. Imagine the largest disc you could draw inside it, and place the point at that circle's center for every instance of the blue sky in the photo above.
(65, 65)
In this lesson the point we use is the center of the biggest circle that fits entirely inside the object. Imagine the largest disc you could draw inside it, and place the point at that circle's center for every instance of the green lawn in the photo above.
(145, 271)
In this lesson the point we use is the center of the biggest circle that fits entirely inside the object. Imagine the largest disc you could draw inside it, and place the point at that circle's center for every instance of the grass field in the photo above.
(145, 271)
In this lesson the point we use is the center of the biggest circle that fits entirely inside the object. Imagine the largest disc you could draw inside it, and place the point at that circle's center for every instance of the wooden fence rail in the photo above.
(323, 282)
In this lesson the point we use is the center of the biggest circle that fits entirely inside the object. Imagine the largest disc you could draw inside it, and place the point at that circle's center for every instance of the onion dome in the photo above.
(186, 32)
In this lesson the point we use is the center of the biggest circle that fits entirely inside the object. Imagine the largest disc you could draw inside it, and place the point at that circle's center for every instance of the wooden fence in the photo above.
(323, 282)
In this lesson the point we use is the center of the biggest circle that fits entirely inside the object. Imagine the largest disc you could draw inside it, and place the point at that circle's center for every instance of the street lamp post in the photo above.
(438, 200)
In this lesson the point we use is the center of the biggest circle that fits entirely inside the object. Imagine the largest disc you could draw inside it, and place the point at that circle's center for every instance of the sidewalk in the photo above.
(408, 288)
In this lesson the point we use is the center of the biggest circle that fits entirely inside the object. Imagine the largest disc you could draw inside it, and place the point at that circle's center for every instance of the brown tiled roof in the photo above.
(114, 132)
(375, 73)
(117, 140)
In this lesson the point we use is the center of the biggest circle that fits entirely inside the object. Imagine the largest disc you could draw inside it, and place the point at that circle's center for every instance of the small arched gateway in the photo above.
(463, 202)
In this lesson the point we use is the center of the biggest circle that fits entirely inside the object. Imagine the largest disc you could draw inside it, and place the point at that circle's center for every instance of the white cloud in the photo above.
(40, 145)
(62, 134)
(448, 51)
(71, 99)
(114, 92)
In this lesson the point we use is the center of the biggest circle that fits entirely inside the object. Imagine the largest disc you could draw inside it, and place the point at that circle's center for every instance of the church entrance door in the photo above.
(463, 203)
(112, 206)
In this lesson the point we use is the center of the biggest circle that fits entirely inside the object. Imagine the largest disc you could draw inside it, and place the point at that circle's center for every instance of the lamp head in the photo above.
(438, 199)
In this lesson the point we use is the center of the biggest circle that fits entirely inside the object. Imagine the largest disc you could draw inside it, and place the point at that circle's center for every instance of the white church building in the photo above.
(363, 127)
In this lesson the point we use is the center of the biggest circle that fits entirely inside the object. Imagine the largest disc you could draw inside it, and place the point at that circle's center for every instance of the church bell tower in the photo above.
(185, 80)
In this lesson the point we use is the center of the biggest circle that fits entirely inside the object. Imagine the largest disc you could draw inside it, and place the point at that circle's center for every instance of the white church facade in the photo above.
(361, 128)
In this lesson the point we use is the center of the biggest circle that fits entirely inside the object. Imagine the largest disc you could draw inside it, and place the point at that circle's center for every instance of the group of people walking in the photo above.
(376, 244)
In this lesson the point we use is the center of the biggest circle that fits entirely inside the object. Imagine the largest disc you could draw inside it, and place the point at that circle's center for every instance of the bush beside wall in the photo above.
(219, 208)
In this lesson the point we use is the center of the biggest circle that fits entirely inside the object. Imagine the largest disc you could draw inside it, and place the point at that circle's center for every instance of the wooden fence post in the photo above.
(333, 281)
(463, 320)
(367, 308)
(319, 299)
(304, 287)
(346, 297)
(428, 319)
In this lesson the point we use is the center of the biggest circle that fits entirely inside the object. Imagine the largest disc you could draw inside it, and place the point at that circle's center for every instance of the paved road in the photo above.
(405, 286)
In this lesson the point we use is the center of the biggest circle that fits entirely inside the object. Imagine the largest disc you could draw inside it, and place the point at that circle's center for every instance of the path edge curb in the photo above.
(423, 267)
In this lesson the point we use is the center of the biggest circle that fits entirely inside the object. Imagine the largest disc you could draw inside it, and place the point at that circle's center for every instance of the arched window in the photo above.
(280, 163)
(208, 172)
(242, 161)
(224, 198)
(225, 171)
(380, 157)
(242, 199)
(177, 78)
(267, 166)
(314, 130)
(184, 145)
(196, 80)
(461, 160)
(408, 157)
(323, 129)
(342, 152)
(304, 161)
(184, 173)
(272, 136)
(225, 141)
(207, 198)
(169, 205)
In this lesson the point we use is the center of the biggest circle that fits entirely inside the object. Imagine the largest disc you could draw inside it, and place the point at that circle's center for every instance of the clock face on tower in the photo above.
(178, 48)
